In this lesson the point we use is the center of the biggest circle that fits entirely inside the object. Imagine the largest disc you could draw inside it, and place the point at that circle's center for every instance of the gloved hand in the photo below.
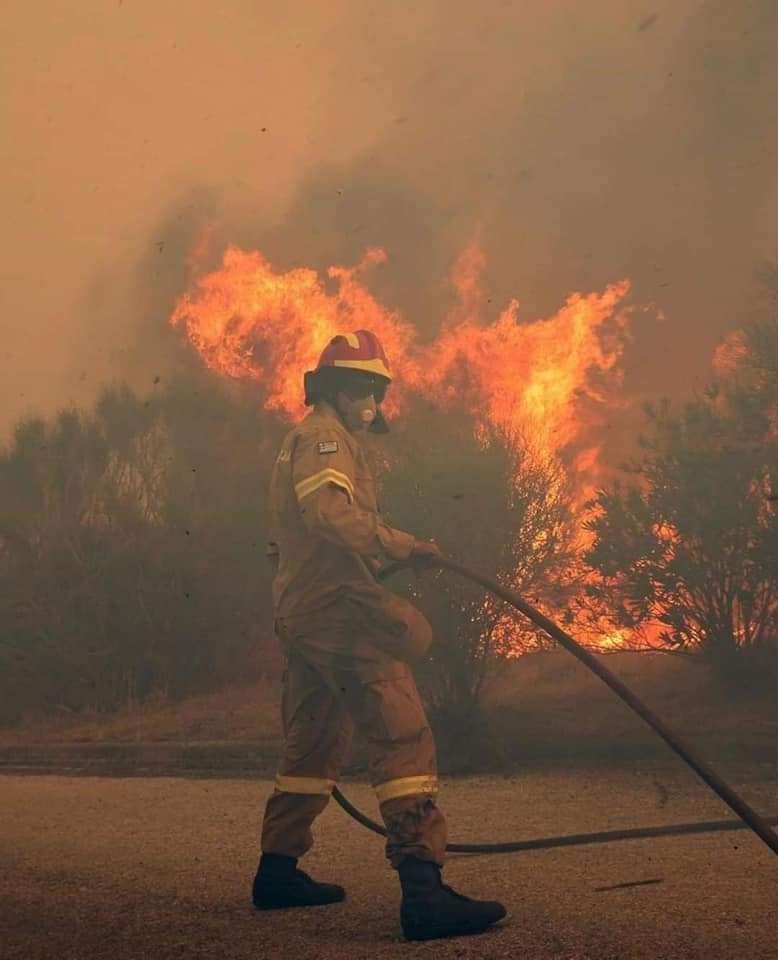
(425, 553)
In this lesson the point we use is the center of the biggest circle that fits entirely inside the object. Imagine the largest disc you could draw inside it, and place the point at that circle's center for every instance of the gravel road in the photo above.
(95, 868)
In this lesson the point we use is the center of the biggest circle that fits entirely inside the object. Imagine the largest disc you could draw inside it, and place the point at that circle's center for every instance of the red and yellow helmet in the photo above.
(357, 354)
(360, 350)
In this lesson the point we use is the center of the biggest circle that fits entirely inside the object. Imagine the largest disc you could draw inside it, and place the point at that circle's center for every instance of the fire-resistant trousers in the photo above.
(336, 680)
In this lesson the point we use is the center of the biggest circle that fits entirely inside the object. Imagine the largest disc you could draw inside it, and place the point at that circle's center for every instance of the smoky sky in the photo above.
(580, 143)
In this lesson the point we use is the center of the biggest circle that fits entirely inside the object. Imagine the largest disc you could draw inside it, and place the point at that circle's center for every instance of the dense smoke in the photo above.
(580, 143)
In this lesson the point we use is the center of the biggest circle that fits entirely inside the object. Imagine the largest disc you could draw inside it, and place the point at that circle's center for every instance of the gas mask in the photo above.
(358, 413)
(358, 402)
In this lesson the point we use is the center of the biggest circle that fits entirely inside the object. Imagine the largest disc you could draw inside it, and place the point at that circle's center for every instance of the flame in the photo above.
(250, 322)
(614, 640)
(550, 381)
(533, 378)
(729, 354)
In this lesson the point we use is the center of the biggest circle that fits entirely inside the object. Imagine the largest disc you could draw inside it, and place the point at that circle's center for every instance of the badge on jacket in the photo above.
(328, 446)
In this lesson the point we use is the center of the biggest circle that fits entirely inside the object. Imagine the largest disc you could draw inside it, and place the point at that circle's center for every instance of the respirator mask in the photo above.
(358, 400)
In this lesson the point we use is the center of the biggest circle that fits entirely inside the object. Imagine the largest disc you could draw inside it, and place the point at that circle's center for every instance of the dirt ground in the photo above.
(95, 868)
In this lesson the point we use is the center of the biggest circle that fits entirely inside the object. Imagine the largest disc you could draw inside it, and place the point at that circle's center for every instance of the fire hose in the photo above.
(749, 818)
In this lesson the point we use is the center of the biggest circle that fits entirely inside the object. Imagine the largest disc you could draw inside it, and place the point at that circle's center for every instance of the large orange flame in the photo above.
(545, 378)
(551, 381)
(247, 321)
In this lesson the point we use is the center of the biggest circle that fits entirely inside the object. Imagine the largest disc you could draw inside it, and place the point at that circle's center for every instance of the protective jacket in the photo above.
(328, 535)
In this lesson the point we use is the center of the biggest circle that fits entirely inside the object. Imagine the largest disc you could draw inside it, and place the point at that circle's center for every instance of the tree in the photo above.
(488, 500)
(754, 364)
(131, 547)
(688, 547)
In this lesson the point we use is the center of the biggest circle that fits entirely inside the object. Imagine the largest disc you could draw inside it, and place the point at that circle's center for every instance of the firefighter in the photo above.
(348, 642)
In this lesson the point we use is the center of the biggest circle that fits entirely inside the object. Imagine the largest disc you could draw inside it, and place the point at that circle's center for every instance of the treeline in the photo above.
(132, 540)
(131, 548)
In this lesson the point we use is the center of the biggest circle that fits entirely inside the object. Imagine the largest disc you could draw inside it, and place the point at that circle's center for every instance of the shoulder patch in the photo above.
(328, 446)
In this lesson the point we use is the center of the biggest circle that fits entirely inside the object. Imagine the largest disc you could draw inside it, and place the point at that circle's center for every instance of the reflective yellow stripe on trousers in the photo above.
(406, 787)
(310, 785)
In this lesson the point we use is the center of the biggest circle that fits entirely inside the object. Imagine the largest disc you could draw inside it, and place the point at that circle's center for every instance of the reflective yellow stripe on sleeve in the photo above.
(309, 785)
(406, 787)
(308, 486)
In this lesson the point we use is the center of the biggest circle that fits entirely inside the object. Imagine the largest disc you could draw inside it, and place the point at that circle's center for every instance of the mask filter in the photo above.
(357, 414)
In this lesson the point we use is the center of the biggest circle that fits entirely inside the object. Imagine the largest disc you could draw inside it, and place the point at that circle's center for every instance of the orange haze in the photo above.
(581, 142)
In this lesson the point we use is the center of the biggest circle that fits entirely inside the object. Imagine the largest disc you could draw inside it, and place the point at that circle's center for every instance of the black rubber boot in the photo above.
(279, 884)
(431, 910)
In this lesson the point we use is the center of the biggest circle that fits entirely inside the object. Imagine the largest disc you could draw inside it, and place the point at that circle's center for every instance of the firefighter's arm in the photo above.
(323, 476)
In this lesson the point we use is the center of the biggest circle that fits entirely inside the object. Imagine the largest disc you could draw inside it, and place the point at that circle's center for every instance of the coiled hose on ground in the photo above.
(749, 818)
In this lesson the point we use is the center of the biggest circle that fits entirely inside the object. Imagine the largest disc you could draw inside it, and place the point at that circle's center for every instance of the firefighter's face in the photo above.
(357, 414)
(358, 399)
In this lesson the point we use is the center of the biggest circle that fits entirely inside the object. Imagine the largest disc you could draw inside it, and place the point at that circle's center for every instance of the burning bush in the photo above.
(687, 553)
